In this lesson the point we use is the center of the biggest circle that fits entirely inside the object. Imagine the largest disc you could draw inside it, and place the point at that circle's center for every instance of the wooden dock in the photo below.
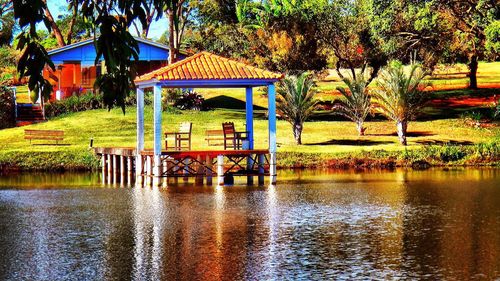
(124, 165)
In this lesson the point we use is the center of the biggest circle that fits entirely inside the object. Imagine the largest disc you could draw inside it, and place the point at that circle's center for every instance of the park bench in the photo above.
(214, 137)
(54, 135)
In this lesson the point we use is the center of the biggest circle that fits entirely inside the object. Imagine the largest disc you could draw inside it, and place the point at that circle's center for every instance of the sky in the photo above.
(157, 28)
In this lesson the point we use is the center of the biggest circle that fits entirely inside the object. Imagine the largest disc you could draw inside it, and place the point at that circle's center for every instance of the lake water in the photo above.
(315, 225)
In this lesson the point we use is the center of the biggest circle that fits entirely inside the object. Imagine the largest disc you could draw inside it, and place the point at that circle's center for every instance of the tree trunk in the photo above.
(69, 36)
(55, 29)
(402, 127)
(297, 132)
(172, 56)
(473, 65)
(360, 128)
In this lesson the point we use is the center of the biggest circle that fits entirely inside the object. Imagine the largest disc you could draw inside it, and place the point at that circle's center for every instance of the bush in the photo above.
(191, 101)
(84, 102)
(451, 153)
(7, 108)
(172, 95)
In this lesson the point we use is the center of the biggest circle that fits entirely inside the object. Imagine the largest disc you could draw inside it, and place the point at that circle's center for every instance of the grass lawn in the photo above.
(115, 129)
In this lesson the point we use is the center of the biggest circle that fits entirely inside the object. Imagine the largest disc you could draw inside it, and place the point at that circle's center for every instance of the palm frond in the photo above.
(296, 100)
(399, 96)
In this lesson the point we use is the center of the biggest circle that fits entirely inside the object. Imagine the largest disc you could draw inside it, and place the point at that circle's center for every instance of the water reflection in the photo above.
(435, 224)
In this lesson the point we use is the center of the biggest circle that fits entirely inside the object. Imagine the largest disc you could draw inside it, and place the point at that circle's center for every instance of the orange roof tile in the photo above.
(207, 66)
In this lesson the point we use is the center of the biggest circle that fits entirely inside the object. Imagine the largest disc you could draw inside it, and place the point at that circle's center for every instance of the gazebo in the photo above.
(204, 70)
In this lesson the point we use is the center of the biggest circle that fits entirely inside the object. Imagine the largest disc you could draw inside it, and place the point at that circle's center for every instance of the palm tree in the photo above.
(295, 101)
(356, 103)
(399, 95)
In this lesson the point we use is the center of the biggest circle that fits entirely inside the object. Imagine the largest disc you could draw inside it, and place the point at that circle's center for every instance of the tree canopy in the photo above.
(281, 35)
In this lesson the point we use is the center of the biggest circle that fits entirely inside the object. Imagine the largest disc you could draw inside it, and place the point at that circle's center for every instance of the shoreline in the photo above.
(479, 155)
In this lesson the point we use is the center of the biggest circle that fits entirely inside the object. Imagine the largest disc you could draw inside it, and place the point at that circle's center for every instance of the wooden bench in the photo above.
(214, 137)
(44, 135)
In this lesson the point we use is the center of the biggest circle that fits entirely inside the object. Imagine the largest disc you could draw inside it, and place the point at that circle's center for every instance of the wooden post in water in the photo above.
(129, 170)
(122, 170)
(262, 158)
(250, 165)
(165, 169)
(115, 168)
(149, 169)
(272, 169)
(220, 170)
(208, 172)
(103, 167)
(199, 171)
(110, 168)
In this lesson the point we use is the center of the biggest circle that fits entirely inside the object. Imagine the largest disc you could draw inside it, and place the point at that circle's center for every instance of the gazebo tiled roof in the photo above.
(207, 66)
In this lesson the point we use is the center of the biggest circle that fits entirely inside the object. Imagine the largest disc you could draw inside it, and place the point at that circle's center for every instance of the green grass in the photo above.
(320, 137)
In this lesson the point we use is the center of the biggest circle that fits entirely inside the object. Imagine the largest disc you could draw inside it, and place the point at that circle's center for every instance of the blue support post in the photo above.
(271, 96)
(249, 129)
(249, 116)
(157, 135)
(140, 137)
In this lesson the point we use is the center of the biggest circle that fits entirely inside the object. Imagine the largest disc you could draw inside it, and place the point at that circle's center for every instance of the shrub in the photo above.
(449, 153)
(496, 110)
(191, 101)
(7, 108)
(84, 102)
(172, 95)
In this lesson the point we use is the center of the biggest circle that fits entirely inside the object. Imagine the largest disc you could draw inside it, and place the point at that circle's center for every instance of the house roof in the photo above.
(207, 66)
(91, 40)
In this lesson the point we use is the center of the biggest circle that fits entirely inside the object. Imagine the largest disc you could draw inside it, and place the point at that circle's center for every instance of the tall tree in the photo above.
(345, 31)
(409, 29)
(150, 16)
(178, 17)
(470, 18)
(6, 22)
(49, 20)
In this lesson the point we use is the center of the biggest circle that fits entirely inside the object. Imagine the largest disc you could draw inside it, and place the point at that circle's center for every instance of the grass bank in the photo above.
(328, 142)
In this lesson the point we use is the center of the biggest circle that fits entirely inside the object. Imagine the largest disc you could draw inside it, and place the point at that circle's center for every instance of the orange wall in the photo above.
(71, 76)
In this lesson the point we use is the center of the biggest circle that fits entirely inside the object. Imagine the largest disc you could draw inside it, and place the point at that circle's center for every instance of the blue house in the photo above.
(76, 72)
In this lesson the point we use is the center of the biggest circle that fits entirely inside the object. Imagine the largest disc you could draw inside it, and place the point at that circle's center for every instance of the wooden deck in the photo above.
(223, 164)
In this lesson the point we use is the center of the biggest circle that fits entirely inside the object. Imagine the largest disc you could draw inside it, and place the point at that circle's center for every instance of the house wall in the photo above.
(67, 77)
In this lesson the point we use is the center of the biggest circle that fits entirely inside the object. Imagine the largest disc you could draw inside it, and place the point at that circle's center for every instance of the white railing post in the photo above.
(139, 169)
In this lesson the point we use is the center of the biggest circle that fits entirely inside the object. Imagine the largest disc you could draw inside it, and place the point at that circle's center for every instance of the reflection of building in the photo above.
(76, 72)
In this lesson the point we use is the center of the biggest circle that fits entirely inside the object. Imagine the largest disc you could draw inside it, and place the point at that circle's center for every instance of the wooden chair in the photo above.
(232, 138)
(182, 137)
